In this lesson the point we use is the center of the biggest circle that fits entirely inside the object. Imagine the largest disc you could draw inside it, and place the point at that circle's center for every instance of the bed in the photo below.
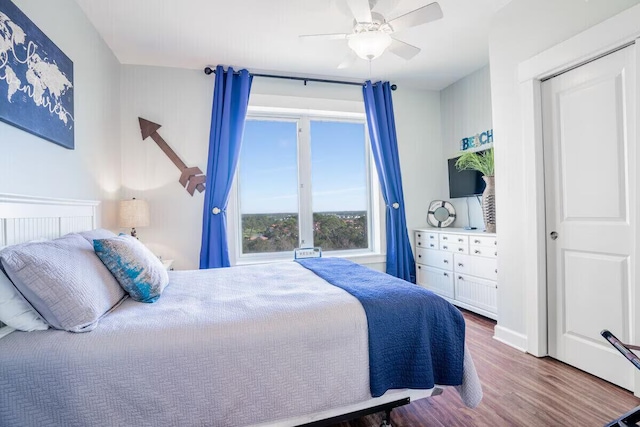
(267, 345)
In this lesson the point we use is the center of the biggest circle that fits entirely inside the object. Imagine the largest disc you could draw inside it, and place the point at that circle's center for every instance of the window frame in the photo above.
(375, 209)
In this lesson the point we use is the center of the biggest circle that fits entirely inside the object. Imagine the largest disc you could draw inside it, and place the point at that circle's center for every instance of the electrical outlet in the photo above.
(301, 253)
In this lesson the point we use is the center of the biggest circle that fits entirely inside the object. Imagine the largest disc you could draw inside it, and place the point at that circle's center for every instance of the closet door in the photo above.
(590, 182)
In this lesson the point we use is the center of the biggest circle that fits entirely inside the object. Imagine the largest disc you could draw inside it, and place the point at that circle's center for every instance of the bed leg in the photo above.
(386, 407)
(387, 419)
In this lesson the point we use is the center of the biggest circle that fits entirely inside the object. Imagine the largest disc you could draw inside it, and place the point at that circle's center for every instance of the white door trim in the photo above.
(607, 36)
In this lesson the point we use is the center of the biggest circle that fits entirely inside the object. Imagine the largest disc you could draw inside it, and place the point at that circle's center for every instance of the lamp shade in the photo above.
(369, 44)
(134, 213)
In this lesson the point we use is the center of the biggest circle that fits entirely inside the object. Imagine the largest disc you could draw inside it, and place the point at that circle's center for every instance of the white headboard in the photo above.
(24, 218)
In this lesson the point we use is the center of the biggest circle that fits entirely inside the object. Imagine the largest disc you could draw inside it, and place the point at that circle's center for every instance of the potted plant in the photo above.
(483, 163)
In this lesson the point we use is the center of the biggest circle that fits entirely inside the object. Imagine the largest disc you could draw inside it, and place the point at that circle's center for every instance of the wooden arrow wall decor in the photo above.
(191, 178)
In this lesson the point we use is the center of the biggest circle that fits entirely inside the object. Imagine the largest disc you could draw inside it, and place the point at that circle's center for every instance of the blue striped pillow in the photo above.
(135, 267)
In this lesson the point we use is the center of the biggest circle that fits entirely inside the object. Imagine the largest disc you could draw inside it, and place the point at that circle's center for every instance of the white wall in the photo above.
(418, 125)
(180, 100)
(33, 166)
(466, 111)
(521, 30)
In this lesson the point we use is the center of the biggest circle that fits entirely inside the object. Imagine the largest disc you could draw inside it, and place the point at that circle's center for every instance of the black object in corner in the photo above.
(631, 418)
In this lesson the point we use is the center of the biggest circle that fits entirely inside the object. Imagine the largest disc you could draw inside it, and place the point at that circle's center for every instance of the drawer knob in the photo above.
(495, 253)
(419, 243)
(460, 250)
(431, 245)
(419, 268)
(445, 238)
(476, 241)
(445, 247)
(460, 264)
(495, 242)
(446, 274)
(476, 251)
(419, 235)
(460, 278)
(460, 240)
(496, 271)
(431, 237)
(446, 261)
(419, 256)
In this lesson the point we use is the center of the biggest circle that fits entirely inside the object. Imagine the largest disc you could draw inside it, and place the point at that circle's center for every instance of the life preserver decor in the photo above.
(441, 214)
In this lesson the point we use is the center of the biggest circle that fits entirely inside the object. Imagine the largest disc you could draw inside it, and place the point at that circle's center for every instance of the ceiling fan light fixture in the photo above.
(369, 44)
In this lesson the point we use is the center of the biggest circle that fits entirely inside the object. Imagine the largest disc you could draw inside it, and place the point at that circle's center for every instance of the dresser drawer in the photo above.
(487, 251)
(435, 279)
(483, 267)
(454, 247)
(454, 239)
(426, 240)
(438, 259)
(477, 292)
(483, 241)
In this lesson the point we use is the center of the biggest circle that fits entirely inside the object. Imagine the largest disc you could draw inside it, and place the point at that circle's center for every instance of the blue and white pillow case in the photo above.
(135, 267)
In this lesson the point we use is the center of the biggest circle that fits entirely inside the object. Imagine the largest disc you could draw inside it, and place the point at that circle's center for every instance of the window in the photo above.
(303, 181)
(268, 182)
(339, 185)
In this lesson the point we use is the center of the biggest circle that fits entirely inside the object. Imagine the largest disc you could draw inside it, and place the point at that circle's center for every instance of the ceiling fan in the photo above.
(372, 34)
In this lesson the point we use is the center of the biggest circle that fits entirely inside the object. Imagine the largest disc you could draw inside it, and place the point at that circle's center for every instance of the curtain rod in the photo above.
(209, 70)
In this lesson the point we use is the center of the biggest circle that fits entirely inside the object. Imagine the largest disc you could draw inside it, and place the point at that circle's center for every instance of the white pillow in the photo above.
(15, 311)
(64, 281)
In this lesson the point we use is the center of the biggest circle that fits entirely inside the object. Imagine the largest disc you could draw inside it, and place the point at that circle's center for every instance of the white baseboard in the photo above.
(510, 338)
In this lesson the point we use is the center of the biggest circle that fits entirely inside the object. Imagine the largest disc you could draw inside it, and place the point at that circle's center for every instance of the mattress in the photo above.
(225, 347)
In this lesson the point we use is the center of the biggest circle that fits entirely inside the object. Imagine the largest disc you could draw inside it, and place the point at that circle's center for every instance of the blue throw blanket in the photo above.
(416, 338)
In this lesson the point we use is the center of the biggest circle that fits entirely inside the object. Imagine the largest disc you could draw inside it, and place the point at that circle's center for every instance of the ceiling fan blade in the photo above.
(428, 13)
(336, 36)
(403, 50)
(348, 60)
(383, 7)
(360, 9)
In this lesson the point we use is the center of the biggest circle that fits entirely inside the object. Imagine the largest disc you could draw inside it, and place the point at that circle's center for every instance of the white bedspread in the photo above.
(223, 347)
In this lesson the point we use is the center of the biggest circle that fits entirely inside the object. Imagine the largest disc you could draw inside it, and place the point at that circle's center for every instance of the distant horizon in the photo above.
(296, 213)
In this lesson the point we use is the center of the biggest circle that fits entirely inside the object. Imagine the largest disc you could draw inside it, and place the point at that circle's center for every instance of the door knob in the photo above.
(553, 235)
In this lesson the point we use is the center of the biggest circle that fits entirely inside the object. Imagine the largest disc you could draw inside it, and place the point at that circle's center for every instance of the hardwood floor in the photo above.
(519, 390)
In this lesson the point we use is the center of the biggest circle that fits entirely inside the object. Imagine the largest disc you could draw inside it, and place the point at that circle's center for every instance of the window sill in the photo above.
(361, 258)
(366, 258)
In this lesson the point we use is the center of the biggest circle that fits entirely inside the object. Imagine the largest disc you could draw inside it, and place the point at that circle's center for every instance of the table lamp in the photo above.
(134, 213)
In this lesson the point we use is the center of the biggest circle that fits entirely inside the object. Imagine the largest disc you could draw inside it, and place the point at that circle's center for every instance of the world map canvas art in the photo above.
(36, 79)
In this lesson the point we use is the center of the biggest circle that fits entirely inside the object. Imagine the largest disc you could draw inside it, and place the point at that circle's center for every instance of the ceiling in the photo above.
(262, 36)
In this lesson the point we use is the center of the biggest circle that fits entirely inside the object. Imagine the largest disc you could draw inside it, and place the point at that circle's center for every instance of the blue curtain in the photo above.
(384, 144)
(230, 101)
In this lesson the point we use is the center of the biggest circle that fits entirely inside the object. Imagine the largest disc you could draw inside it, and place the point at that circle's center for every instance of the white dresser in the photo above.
(460, 265)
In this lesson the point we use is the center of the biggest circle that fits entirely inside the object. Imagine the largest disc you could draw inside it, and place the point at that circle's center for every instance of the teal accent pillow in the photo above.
(134, 266)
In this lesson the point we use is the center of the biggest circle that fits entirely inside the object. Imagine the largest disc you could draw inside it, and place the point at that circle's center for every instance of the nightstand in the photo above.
(168, 264)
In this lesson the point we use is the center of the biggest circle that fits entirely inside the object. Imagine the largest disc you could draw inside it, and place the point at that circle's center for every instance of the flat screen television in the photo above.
(465, 183)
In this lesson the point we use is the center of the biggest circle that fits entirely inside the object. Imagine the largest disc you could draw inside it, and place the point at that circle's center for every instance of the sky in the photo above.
(268, 167)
